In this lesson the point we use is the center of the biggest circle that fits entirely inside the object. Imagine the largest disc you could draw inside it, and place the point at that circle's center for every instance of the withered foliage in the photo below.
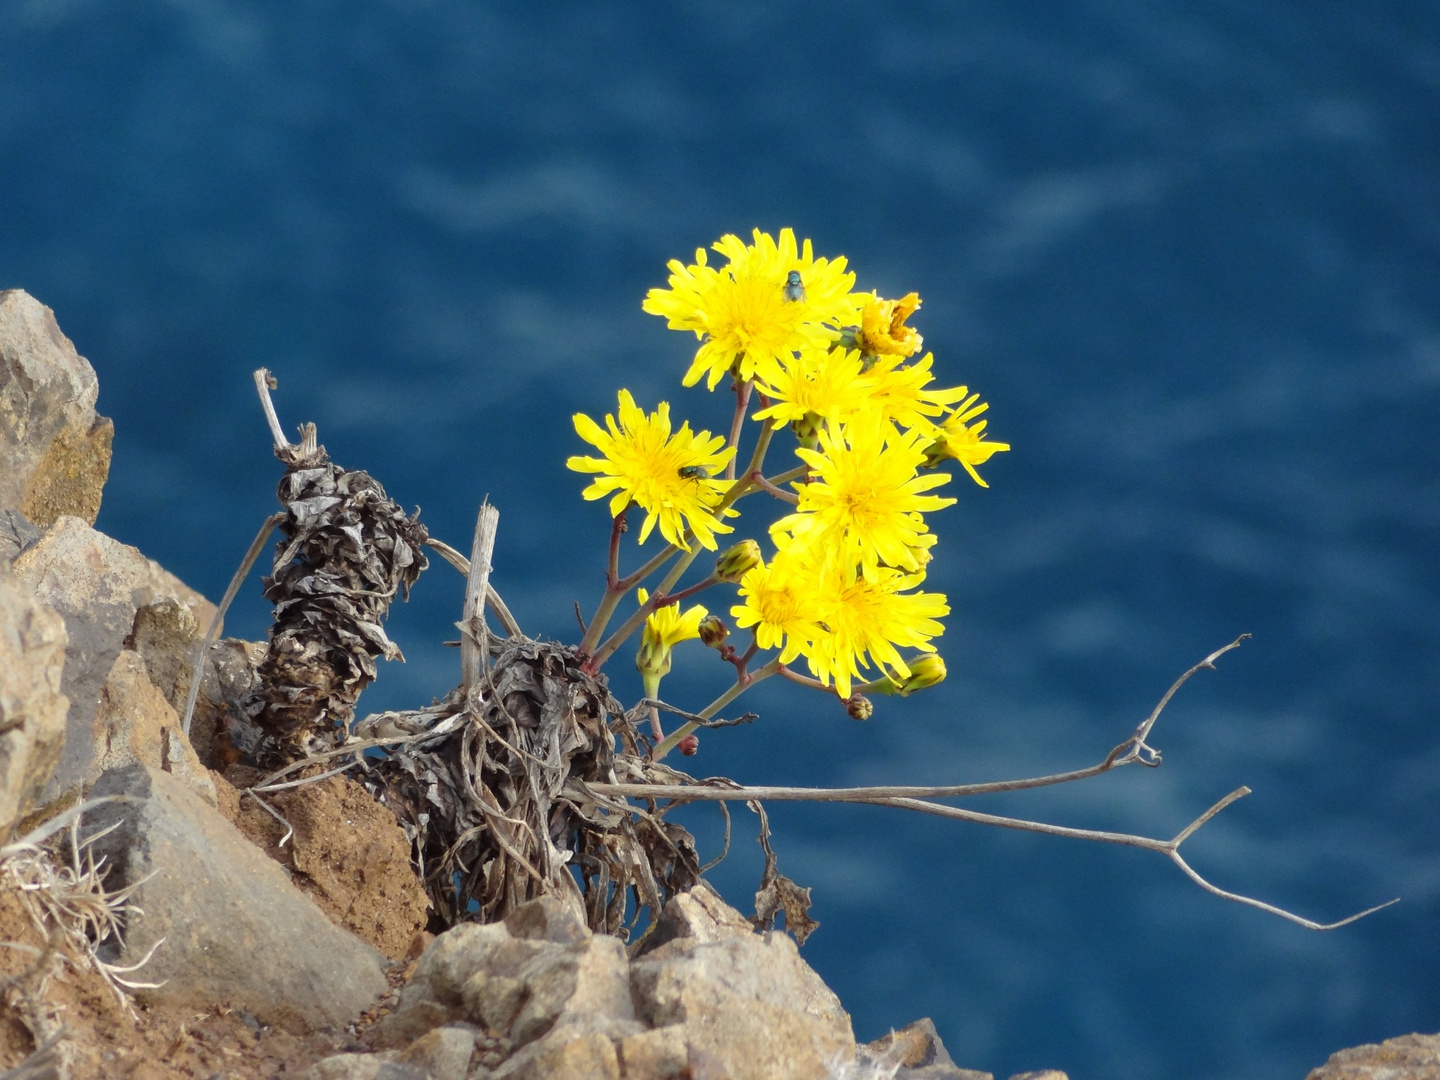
(346, 552)
(496, 801)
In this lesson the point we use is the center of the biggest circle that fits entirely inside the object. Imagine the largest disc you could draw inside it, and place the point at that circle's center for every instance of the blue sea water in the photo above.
(1190, 254)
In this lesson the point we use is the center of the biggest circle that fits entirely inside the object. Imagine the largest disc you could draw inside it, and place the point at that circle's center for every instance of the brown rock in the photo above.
(54, 448)
(349, 855)
(134, 722)
(32, 708)
(234, 929)
(97, 585)
(1408, 1057)
(660, 1054)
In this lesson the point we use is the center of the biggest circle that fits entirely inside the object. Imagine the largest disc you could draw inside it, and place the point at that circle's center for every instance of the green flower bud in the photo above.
(807, 429)
(926, 670)
(713, 631)
(732, 565)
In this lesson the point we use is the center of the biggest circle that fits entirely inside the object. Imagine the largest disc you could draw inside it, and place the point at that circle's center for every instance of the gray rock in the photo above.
(1408, 1057)
(435, 995)
(364, 1067)
(573, 988)
(54, 448)
(444, 1053)
(235, 929)
(16, 534)
(916, 1053)
(32, 707)
(693, 917)
(547, 919)
(97, 585)
(564, 1052)
(751, 1007)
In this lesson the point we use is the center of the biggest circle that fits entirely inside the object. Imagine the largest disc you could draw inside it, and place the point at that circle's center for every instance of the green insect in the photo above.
(694, 472)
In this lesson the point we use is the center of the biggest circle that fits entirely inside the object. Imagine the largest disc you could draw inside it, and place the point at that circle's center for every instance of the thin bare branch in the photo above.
(1133, 749)
(264, 383)
(474, 647)
(492, 598)
(197, 674)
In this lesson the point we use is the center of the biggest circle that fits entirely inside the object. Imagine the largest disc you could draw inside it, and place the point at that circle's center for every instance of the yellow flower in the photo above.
(962, 441)
(865, 622)
(665, 627)
(900, 392)
(667, 474)
(827, 383)
(882, 327)
(780, 602)
(768, 302)
(864, 502)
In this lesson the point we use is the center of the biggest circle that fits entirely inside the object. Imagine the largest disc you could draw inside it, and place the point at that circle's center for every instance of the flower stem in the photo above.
(742, 683)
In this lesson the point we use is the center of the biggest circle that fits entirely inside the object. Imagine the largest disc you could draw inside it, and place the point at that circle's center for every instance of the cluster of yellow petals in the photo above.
(843, 589)
(882, 326)
(667, 473)
(748, 317)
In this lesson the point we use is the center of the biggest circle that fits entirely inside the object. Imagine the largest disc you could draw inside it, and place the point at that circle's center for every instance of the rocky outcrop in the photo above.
(234, 929)
(1410, 1057)
(32, 706)
(98, 586)
(54, 447)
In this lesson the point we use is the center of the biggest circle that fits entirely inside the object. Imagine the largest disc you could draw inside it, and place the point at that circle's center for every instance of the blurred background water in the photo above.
(1189, 253)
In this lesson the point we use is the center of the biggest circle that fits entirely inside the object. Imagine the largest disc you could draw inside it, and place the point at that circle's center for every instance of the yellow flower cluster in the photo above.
(843, 587)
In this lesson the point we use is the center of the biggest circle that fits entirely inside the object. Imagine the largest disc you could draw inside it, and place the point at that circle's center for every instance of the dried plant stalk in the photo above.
(494, 808)
(346, 552)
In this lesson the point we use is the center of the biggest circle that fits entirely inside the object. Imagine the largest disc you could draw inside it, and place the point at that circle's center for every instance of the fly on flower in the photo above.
(644, 462)
(794, 288)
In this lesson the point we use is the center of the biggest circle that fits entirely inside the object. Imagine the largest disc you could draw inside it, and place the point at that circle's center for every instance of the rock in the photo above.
(660, 1054)
(54, 448)
(350, 855)
(235, 929)
(1408, 1057)
(444, 1053)
(574, 990)
(917, 1053)
(16, 534)
(363, 1067)
(134, 723)
(749, 1003)
(1041, 1074)
(692, 917)
(32, 707)
(563, 1053)
(547, 919)
(433, 996)
(97, 585)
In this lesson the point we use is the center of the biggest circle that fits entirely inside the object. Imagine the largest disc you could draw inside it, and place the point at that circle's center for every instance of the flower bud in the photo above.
(859, 707)
(807, 429)
(689, 745)
(731, 566)
(926, 670)
(713, 631)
